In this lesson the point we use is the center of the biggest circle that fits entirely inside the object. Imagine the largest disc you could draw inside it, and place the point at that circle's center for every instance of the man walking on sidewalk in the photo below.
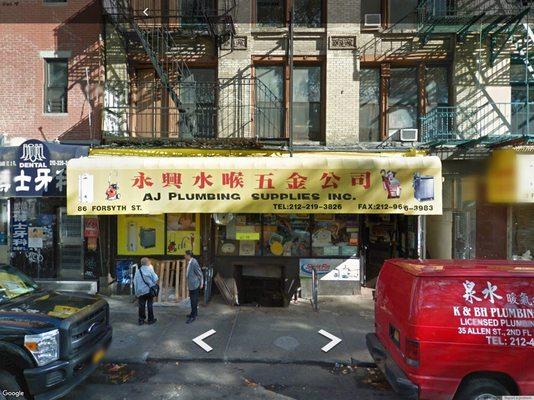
(195, 282)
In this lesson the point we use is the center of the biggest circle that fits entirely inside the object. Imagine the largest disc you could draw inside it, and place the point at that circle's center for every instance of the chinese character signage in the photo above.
(335, 185)
(36, 168)
(488, 312)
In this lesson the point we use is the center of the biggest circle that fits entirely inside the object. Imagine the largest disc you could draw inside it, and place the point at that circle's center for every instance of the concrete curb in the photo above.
(319, 363)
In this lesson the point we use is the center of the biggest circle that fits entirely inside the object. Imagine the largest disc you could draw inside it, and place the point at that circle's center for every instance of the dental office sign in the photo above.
(36, 169)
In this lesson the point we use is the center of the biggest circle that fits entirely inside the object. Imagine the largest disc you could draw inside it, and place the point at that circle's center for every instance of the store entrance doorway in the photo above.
(387, 236)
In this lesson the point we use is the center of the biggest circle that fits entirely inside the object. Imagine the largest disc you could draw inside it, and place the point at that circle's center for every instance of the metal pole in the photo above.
(527, 78)
(290, 63)
(421, 237)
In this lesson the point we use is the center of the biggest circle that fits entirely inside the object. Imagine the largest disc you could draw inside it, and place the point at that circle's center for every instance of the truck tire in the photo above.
(10, 388)
(482, 389)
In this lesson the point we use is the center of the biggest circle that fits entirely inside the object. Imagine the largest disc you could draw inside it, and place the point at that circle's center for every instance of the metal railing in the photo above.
(186, 16)
(230, 108)
(431, 11)
(458, 123)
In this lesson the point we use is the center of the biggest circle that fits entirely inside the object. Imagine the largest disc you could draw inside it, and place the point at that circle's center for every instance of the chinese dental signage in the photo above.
(36, 168)
(300, 184)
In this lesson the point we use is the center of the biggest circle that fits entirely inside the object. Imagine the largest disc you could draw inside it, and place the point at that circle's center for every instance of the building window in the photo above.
(193, 12)
(270, 12)
(402, 13)
(406, 93)
(402, 99)
(436, 88)
(197, 92)
(306, 103)
(272, 101)
(370, 105)
(56, 85)
(522, 105)
(308, 13)
(373, 10)
(270, 115)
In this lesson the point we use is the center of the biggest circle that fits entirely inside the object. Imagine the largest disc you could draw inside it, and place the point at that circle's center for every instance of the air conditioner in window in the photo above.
(372, 21)
(409, 135)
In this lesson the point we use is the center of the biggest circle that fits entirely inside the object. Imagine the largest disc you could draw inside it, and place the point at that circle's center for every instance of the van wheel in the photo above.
(10, 388)
(482, 389)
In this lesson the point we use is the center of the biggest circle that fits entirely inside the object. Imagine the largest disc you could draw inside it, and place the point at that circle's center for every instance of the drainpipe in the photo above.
(290, 94)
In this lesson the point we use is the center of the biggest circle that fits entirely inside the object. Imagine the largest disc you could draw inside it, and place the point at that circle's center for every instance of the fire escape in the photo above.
(501, 28)
(175, 104)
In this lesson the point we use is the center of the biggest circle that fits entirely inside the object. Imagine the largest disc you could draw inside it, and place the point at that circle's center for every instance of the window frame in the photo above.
(385, 17)
(298, 61)
(55, 2)
(47, 63)
(286, 16)
(384, 76)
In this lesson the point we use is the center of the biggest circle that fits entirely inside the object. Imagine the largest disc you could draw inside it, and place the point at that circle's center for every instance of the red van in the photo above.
(461, 329)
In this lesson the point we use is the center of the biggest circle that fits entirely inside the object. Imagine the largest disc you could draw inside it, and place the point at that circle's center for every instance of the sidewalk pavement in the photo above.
(245, 334)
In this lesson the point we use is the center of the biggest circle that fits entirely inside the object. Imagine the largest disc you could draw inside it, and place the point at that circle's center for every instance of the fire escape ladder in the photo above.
(508, 28)
(156, 41)
(221, 24)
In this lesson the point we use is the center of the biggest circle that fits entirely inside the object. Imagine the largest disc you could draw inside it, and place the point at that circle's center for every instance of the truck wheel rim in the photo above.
(486, 396)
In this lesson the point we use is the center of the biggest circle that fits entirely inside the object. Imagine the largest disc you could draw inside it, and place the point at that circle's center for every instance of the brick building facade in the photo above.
(37, 38)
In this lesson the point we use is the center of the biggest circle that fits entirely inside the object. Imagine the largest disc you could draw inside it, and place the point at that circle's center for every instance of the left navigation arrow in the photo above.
(145, 11)
(200, 340)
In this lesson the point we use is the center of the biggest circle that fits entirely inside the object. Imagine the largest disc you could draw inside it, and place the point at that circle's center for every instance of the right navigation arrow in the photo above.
(334, 340)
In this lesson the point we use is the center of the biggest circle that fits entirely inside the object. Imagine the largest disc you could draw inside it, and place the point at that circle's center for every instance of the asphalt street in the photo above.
(218, 380)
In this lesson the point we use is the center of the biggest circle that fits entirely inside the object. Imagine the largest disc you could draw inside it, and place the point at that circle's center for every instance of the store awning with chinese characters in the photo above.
(300, 184)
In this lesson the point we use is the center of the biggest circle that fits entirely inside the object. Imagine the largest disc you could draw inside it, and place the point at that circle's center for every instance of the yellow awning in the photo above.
(310, 183)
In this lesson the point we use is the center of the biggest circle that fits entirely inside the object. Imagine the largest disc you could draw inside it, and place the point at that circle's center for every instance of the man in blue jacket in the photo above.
(195, 282)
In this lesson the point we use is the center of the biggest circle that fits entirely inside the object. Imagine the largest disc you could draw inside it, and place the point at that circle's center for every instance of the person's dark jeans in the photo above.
(193, 295)
(146, 301)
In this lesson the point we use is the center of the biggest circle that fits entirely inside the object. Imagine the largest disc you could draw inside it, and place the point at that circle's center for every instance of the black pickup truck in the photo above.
(49, 341)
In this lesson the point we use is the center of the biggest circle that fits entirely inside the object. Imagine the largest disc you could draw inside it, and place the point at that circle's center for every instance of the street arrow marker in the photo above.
(145, 12)
(200, 340)
(334, 340)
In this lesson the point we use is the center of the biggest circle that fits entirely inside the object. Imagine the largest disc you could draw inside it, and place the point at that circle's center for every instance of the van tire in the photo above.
(10, 383)
(475, 388)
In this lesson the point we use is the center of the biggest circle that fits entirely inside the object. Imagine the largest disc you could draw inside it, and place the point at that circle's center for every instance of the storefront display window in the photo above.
(335, 235)
(289, 235)
(141, 235)
(240, 236)
(34, 223)
(286, 235)
(4, 231)
(522, 232)
(183, 233)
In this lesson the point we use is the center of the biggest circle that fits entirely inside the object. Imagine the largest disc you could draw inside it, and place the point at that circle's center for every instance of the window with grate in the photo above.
(56, 84)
